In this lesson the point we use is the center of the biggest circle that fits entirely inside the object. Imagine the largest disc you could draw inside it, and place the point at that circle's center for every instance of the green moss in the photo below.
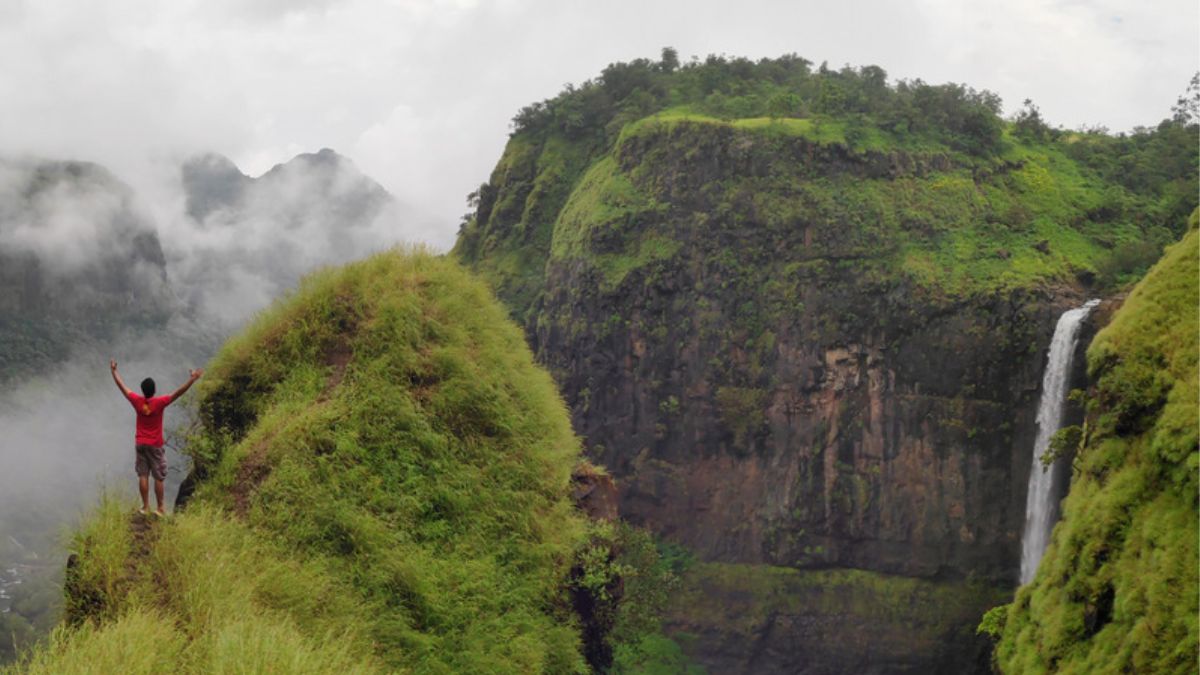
(963, 229)
(923, 184)
(1117, 588)
(743, 410)
(508, 240)
(604, 201)
(393, 496)
(740, 599)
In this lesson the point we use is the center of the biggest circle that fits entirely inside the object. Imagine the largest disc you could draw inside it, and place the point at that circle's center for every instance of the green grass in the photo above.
(916, 208)
(387, 490)
(535, 176)
(607, 205)
(957, 228)
(864, 137)
(1117, 589)
(1102, 205)
(604, 199)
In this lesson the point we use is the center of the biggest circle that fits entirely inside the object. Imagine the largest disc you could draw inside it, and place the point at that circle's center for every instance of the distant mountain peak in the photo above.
(212, 182)
(211, 161)
(314, 183)
(325, 158)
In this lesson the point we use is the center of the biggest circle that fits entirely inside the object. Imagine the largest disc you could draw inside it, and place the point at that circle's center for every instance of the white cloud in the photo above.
(420, 92)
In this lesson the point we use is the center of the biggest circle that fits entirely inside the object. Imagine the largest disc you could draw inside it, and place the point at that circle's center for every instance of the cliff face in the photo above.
(865, 451)
(769, 391)
(801, 350)
(1117, 589)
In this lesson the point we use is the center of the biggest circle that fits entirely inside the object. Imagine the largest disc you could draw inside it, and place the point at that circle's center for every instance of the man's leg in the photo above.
(158, 495)
(158, 469)
(141, 466)
(144, 488)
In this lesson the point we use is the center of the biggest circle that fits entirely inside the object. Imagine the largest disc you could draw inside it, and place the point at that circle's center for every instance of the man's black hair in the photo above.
(148, 387)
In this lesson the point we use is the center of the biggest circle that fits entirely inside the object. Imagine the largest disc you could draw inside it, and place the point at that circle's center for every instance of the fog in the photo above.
(93, 245)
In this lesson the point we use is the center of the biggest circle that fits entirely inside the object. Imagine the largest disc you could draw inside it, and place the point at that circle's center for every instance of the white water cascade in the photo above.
(1041, 501)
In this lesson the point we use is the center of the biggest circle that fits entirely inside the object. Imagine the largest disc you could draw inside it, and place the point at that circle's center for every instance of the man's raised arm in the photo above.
(193, 375)
(112, 365)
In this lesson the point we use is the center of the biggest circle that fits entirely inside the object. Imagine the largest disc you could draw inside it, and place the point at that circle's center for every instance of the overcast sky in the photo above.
(420, 92)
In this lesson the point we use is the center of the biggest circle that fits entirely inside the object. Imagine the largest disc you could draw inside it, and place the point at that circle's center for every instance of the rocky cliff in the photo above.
(805, 343)
(769, 391)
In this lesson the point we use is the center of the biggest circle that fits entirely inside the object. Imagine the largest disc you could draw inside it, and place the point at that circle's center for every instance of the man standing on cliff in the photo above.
(148, 441)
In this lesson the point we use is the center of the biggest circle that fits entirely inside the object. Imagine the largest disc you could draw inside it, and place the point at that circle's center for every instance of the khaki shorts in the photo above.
(150, 461)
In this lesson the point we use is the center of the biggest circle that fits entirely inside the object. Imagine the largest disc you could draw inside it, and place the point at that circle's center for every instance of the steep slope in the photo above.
(1117, 589)
(384, 481)
(806, 330)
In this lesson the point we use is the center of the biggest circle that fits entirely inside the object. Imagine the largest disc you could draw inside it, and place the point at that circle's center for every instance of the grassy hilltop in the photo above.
(922, 183)
(385, 488)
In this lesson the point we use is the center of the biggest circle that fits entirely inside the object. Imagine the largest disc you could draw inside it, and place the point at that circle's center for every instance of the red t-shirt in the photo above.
(149, 418)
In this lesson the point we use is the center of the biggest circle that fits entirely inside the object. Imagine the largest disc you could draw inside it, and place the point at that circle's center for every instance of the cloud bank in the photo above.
(420, 92)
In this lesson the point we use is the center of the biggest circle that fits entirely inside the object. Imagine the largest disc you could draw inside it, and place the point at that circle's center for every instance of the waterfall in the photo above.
(1041, 502)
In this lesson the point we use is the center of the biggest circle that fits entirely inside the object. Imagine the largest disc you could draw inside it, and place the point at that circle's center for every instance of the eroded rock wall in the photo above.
(900, 452)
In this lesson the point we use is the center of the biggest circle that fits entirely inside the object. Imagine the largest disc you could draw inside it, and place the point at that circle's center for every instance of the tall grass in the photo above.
(386, 489)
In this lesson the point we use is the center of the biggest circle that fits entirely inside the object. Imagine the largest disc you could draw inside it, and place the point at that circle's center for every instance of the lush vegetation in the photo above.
(886, 616)
(751, 207)
(634, 578)
(1117, 589)
(384, 488)
(957, 197)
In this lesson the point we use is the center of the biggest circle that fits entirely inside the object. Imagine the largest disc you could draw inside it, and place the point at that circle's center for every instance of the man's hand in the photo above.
(193, 375)
(112, 366)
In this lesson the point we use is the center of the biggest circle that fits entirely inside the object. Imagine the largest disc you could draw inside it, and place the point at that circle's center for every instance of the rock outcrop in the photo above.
(594, 493)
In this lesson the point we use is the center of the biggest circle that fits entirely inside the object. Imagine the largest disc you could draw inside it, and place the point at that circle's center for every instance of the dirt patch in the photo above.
(252, 471)
(143, 532)
(338, 354)
(337, 357)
